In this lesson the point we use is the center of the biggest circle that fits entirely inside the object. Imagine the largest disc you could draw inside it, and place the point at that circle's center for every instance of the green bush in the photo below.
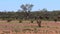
(32, 21)
(55, 20)
(20, 21)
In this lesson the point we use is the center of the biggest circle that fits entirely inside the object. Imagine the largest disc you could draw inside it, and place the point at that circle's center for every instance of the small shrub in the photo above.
(9, 20)
(16, 30)
(28, 29)
(55, 20)
(35, 30)
(32, 21)
(20, 21)
(47, 17)
(40, 17)
(3, 18)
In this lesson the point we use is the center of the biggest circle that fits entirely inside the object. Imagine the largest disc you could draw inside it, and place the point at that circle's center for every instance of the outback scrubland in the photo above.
(30, 22)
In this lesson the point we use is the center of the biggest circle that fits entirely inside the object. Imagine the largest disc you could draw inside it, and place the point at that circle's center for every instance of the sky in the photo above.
(13, 5)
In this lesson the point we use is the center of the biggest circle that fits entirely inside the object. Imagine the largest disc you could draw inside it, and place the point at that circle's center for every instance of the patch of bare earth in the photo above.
(14, 27)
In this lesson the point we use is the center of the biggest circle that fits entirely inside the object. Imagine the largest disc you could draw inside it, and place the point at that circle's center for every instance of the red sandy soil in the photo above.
(14, 27)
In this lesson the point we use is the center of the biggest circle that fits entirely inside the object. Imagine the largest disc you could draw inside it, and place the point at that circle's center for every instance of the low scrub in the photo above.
(9, 20)
(32, 21)
(39, 23)
(20, 21)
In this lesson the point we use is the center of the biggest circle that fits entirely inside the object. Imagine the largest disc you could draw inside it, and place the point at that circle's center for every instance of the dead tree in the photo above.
(39, 23)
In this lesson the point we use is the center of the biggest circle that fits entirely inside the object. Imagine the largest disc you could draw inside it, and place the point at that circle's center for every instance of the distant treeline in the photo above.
(43, 15)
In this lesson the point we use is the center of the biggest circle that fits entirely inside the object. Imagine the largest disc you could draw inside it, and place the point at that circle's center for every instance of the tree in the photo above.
(44, 10)
(27, 8)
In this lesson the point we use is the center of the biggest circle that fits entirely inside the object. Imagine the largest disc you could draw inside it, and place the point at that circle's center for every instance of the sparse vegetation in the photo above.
(55, 20)
(20, 21)
(9, 20)
(26, 14)
(35, 30)
(39, 23)
(32, 21)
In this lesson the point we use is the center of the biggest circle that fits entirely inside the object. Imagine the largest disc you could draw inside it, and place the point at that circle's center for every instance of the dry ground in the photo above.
(14, 27)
